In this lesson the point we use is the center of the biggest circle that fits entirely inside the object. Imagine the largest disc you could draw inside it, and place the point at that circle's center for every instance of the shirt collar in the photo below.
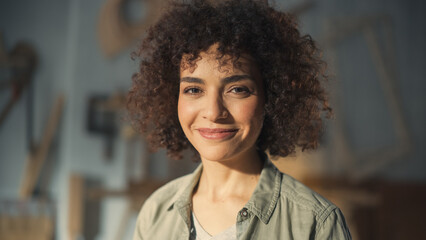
(182, 200)
(183, 197)
(266, 194)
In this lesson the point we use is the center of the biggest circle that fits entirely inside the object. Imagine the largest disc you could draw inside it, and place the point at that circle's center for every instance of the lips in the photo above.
(217, 133)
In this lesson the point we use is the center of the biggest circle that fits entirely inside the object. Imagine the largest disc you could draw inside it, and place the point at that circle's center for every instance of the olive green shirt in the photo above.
(280, 208)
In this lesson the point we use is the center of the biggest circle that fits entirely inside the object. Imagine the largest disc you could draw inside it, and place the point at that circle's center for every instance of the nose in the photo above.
(214, 108)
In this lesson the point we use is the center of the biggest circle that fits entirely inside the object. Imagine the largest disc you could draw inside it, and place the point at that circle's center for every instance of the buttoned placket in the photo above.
(184, 212)
(243, 221)
(192, 233)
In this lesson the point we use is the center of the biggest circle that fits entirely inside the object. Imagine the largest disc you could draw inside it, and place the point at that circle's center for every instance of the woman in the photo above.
(230, 81)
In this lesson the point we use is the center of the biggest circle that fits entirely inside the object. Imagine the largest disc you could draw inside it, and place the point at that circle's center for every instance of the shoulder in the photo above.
(297, 193)
(327, 217)
(155, 207)
(167, 194)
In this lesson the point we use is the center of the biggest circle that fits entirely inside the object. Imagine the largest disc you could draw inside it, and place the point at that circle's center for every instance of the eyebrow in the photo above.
(227, 80)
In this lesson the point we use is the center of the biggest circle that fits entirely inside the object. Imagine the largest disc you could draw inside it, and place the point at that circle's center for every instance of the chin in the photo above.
(213, 156)
(213, 153)
(219, 154)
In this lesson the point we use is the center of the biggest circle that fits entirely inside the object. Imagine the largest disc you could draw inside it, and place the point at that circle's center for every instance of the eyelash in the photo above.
(244, 89)
(189, 89)
(240, 90)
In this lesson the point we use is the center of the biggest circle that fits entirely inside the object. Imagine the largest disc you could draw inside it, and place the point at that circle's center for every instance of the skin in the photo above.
(221, 113)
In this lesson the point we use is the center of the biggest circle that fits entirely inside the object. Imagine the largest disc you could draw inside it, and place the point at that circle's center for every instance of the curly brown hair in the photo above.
(290, 65)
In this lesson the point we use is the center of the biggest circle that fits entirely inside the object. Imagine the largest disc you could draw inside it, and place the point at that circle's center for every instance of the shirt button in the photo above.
(244, 212)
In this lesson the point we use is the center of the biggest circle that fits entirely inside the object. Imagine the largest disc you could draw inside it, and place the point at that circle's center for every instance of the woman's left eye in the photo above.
(240, 90)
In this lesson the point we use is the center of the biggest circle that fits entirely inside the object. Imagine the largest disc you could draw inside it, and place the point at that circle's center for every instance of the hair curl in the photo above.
(289, 63)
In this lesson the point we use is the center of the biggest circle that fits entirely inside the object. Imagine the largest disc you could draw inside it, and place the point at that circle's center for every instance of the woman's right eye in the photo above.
(192, 90)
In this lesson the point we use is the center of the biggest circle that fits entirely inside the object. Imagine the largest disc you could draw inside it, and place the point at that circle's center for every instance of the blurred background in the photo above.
(71, 167)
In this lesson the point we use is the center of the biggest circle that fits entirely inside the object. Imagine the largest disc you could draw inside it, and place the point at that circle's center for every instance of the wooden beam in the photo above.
(36, 158)
(76, 206)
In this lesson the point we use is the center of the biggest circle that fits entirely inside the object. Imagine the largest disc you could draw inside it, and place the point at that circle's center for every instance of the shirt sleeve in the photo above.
(334, 227)
(142, 221)
(137, 235)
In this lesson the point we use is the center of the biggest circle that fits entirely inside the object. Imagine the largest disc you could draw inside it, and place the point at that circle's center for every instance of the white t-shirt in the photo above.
(201, 234)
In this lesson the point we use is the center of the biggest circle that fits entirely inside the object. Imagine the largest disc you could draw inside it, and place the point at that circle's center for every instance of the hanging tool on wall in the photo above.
(103, 115)
(116, 32)
(17, 69)
(38, 155)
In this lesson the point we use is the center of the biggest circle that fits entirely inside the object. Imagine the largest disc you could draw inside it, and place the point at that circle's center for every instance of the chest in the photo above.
(216, 216)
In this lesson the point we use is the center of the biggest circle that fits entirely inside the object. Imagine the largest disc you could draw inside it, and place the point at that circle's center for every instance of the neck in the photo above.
(231, 178)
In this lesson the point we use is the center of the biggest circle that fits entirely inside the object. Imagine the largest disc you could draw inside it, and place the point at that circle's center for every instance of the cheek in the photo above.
(249, 113)
(186, 113)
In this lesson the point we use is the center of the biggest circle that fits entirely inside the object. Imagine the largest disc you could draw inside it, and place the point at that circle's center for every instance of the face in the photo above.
(220, 108)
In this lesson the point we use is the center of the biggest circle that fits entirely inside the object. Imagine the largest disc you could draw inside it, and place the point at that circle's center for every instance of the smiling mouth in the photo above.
(217, 133)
